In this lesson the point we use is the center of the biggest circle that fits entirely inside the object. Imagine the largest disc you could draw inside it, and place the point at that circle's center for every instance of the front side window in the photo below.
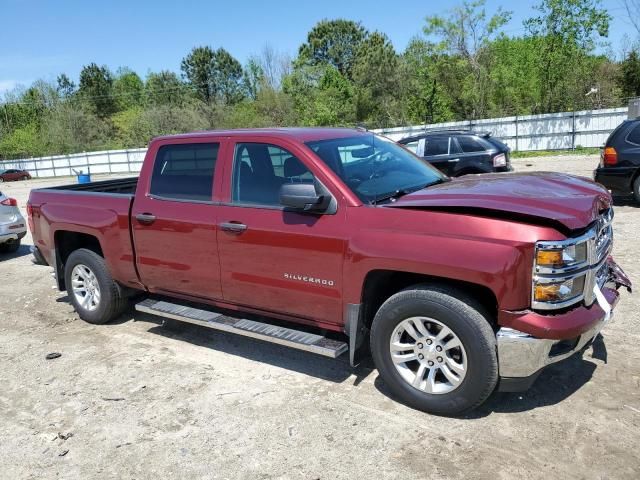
(375, 168)
(260, 169)
(185, 172)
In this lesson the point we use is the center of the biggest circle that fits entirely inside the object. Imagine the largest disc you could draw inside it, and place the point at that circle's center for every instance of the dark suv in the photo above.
(460, 152)
(619, 168)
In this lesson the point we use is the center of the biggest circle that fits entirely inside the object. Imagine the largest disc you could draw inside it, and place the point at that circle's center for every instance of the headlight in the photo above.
(558, 292)
(559, 273)
(560, 256)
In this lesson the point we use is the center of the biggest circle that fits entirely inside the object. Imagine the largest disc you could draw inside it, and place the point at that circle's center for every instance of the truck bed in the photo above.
(125, 186)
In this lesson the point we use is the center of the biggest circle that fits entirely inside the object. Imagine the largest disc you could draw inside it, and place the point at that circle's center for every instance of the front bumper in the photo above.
(522, 355)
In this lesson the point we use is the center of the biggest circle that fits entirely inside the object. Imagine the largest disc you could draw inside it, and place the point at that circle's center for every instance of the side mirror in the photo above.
(303, 196)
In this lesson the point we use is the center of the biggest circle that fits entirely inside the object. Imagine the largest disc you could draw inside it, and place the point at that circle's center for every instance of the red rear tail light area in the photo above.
(9, 202)
(610, 157)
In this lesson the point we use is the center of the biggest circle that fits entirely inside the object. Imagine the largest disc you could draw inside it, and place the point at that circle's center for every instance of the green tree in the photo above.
(68, 128)
(215, 75)
(466, 33)
(254, 78)
(376, 79)
(66, 87)
(197, 69)
(567, 31)
(128, 89)
(96, 89)
(164, 88)
(333, 42)
(227, 77)
(629, 79)
(422, 81)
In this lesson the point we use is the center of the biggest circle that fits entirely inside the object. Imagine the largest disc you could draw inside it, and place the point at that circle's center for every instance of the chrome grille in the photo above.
(604, 234)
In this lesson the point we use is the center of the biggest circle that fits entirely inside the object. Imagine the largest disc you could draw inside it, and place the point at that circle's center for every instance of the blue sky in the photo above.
(42, 38)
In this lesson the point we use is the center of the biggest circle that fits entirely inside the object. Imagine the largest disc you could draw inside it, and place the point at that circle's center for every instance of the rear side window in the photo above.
(185, 172)
(470, 145)
(436, 146)
(634, 135)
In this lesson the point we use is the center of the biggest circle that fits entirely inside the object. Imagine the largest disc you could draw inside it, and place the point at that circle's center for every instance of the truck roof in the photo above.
(302, 134)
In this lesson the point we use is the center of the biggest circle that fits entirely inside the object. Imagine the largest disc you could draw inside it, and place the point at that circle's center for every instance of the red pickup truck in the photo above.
(336, 240)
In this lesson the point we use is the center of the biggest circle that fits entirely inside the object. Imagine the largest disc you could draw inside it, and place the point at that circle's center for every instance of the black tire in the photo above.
(25, 178)
(11, 246)
(467, 319)
(112, 298)
(636, 189)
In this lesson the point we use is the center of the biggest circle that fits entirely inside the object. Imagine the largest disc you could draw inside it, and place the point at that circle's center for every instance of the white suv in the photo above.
(13, 226)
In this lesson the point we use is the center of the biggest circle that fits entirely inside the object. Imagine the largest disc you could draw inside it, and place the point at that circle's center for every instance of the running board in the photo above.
(288, 337)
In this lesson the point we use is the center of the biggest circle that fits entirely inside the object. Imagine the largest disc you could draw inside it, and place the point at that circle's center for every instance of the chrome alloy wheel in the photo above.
(428, 355)
(85, 287)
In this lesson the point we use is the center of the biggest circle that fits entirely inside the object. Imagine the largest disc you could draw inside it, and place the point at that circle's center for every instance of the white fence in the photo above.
(555, 131)
(110, 161)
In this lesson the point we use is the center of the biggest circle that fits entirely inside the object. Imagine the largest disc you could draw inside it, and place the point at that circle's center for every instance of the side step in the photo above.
(263, 331)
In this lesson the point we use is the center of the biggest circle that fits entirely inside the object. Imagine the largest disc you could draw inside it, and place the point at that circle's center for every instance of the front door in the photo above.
(272, 259)
(174, 221)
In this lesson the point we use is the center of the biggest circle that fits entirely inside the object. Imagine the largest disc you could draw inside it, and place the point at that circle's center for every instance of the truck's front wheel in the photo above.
(95, 295)
(435, 349)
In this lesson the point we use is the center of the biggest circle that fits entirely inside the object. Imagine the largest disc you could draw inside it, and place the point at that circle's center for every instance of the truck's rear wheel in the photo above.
(435, 349)
(95, 295)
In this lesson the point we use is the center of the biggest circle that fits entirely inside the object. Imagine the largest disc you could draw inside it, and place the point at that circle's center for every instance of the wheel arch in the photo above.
(66, 242)
(379, 285)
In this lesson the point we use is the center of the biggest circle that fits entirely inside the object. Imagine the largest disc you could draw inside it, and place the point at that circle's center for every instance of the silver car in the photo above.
(13, 227)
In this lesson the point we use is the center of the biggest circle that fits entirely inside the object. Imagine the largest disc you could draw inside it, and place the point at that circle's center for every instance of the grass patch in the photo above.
(553, 153)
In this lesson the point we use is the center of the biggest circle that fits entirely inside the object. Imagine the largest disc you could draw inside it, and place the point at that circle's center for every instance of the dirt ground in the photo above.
(134, 400)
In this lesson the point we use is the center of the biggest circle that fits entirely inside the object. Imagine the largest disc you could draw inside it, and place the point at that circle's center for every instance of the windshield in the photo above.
(375, 168)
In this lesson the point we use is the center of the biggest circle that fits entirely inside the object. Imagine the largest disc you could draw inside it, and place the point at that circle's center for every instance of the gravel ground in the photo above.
(133, 400)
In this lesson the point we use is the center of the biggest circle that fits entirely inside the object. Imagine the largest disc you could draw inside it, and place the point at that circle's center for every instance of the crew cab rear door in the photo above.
(174, 217)
(273, 259)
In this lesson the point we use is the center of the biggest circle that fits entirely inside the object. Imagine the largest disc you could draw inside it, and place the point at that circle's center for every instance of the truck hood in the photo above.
(573, 201)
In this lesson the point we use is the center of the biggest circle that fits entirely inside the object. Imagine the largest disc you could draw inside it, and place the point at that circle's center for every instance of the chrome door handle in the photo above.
(453, 160)
(233, 227)
(145, 218)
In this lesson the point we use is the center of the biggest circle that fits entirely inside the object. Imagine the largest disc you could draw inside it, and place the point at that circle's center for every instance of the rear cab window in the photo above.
(184, 172)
